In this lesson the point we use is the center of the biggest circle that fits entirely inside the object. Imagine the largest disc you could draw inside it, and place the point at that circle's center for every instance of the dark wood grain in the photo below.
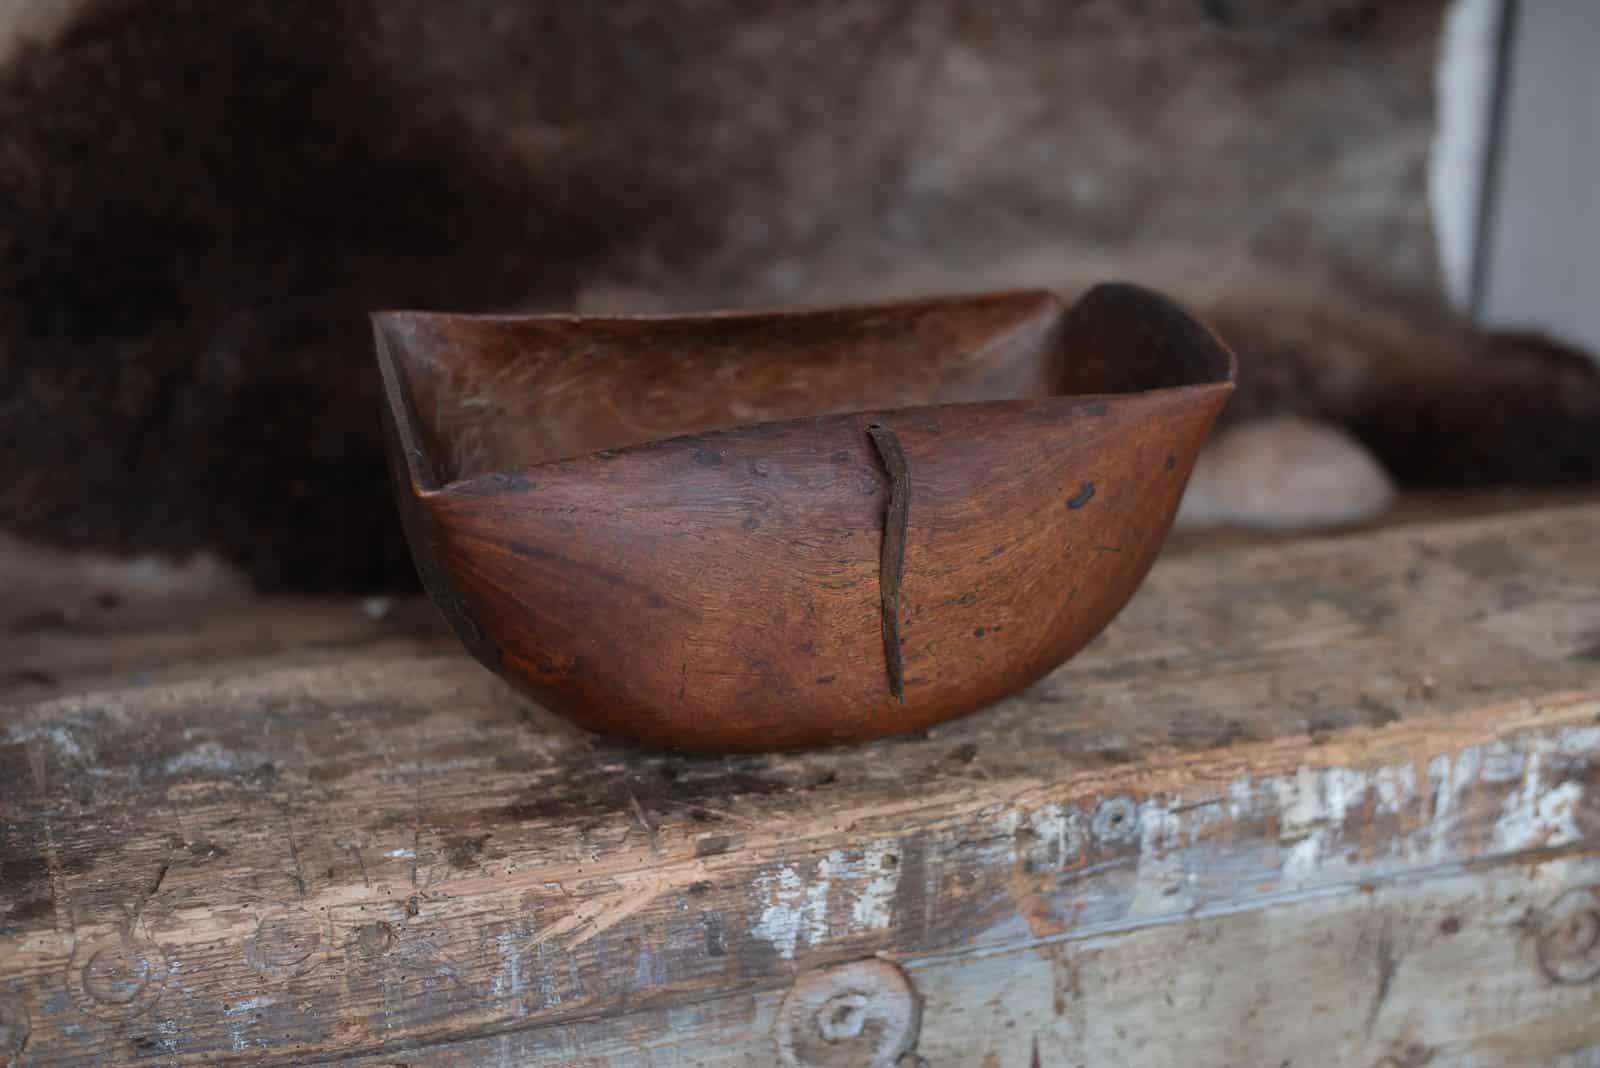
(673, 530)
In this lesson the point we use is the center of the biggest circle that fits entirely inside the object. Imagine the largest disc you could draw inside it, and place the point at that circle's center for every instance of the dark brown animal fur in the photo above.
(199, 203)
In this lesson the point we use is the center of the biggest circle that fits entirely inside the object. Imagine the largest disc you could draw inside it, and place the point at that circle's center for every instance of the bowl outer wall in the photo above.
(720, 592)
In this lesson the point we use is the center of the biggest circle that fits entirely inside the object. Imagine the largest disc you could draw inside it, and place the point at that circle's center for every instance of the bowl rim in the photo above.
(769, 311)
(423, 477)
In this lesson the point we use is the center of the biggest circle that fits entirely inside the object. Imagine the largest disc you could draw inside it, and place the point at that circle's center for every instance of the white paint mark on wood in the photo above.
(1319, 815)
(166, 1031)
(248, 1005)
(238, 1017)
(1581, 742)
(780, 921)
(852, 892)
(1501, 763)
(212, 758)
(1316, 809)
(815, 915)
(1162, 882)
(1304, 858)
(874, 909)
(1059, 830)
(59, 736)
(1397, 789)
(1533, 816)
(1314, 805)
(508, 980)
(549, 993)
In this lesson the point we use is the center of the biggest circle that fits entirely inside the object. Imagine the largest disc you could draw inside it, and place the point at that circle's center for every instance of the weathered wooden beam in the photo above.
(1259, 797)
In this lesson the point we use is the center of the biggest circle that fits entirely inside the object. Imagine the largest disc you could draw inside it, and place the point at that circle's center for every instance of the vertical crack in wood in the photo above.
(891, 561)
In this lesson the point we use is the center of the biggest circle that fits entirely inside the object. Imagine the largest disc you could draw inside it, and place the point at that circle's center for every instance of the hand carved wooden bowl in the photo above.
(762, 531)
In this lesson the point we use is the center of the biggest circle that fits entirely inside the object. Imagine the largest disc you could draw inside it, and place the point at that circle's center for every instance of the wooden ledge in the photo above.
(1293, 804)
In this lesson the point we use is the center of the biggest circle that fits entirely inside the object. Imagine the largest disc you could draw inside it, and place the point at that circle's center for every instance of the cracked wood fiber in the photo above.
(1329, 804)
(892, 561)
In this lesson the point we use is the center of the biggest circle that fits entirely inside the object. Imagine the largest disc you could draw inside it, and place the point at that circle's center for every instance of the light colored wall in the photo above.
(1543, 233)
(1465, 82)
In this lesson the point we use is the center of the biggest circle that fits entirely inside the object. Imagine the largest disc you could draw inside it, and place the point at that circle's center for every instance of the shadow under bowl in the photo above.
(761, 531)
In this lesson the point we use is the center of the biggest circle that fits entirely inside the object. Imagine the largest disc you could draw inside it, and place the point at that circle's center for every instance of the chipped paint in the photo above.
(549, 993)
(1161, 883)
(1322, 817)
(508, 981)
(1501, 763)
(1396, 787)
(212, 758)
(239, 1020)
(166, 1030)
(1534, 816)
(780, 921)
(874, 909)
(59, 736)
(863, 883)
(1582, 742)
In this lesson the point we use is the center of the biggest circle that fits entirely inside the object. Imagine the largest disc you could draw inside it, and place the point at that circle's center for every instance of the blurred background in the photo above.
(1519, 155)
(200, 202)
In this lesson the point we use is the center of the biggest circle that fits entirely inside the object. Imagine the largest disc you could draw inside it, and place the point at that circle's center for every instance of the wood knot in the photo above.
(285, 944)
(374, 939)
(1116, 821)
(120, 975)
(1408, 1055)
(1568, 939)
(862, 1013)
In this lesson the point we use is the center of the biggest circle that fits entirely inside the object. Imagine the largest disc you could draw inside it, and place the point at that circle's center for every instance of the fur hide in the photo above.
(200, 202)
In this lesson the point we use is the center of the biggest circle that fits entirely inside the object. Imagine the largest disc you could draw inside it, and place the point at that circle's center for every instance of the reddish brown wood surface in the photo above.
(769, 579)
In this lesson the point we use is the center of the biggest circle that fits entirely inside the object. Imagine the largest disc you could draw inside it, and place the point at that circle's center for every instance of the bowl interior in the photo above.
(483, 394)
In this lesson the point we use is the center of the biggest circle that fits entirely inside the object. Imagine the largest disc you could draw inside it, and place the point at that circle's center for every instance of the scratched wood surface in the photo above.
(1330, 803)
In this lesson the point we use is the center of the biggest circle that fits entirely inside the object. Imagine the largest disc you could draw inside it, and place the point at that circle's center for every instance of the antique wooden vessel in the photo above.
(753, 531)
